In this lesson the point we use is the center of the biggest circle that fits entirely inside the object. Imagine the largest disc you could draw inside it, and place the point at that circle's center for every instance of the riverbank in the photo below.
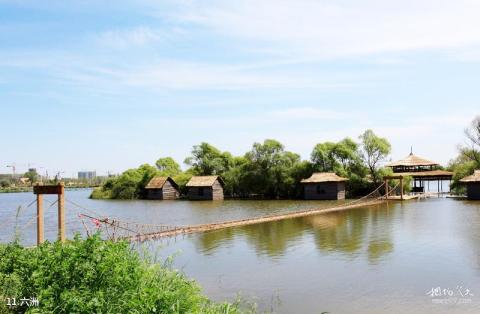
(30, 189)
(95, 276)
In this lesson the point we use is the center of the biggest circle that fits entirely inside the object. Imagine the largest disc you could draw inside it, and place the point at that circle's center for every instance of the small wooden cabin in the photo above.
(324, 186)
(473, 185)
(162, 188)
(205, 188)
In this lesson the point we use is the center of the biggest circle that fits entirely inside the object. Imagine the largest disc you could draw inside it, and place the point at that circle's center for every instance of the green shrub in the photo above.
(96, 276)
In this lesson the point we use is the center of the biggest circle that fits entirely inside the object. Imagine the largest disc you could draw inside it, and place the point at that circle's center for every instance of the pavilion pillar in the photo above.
(401, 188)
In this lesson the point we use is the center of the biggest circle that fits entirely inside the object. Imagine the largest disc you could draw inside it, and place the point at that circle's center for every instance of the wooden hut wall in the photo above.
(214, 192)
(154, 194)
(473, 190)
(200, 193)
(169, 191)
(217, 191)
(325, 191)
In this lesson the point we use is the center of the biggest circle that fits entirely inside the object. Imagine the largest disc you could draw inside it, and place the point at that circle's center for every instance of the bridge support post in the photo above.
(61, 213)
(59, 189)
(39, 219)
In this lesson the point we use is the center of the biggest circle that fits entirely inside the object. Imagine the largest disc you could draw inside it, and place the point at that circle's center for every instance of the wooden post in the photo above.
(39, 219)
(386, 189)
(61, 213)
(59, 189)
(401, 188)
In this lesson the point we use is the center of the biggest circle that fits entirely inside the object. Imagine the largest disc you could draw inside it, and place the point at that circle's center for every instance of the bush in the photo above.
(96, 276)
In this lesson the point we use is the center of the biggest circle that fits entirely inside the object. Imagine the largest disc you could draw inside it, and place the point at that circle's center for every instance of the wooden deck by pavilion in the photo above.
(162, 188)
(421, 170)
(473, 185)
(205, 188)
(324, 186)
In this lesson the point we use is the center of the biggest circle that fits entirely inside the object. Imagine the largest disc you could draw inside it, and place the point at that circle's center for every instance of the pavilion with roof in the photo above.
(421, 170)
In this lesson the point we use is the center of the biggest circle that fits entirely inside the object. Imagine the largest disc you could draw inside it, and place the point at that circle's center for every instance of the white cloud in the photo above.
(325, 29)
(127, 38)
(308, 113)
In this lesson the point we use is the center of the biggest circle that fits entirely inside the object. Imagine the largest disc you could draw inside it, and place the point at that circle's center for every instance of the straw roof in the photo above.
(204, 181)
(318, 177)
(412, 160)
(475, 177)
(159, 182)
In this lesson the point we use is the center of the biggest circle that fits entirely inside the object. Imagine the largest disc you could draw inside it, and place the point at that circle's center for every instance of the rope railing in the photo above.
(123, 228)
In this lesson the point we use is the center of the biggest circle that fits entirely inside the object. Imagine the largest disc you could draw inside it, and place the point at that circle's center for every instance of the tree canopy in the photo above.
(267, 170)
(374, 150)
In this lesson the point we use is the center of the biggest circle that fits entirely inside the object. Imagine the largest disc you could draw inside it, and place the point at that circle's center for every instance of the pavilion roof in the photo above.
(412, 160)
(475, 177)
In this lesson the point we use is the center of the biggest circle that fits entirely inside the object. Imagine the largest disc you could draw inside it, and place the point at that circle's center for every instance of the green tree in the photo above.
(129, 185)
(32, 175)
(472, 150)
(374, 150)
(168, 167)
(469, 156)
(323, 157)
(269, 169)
(342, 157)
(208, 160)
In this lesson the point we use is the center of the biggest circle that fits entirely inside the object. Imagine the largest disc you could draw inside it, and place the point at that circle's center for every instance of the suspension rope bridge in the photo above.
(134, 231)
(122, 229)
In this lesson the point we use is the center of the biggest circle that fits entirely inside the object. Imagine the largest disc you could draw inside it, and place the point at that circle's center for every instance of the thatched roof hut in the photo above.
(473, 185)
(324, 186)
(162, 188)
(205, 188)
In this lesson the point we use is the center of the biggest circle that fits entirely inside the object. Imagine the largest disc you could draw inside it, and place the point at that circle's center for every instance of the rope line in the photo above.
(135, 230)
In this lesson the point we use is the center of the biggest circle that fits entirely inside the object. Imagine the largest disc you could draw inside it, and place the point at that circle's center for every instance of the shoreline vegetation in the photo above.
(93, 275)
(267, 171)
(24, 189)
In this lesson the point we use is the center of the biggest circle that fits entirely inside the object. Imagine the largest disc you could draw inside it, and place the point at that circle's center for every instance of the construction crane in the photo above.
(13, 169)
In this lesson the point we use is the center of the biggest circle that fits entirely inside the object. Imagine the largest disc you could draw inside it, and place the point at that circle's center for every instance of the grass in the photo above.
(96, 276)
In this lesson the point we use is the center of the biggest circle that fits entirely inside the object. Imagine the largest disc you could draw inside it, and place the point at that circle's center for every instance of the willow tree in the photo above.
(375, 149)
(168, 166)
(472, 149)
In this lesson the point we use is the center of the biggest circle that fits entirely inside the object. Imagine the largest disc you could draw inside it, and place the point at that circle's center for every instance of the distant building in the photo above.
(324, 186)
(205, 188)
(87, 175)
(162, 188)
(473, 185)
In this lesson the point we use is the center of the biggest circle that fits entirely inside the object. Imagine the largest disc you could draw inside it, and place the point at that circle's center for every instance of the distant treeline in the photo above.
(267, 170)
(270, 171)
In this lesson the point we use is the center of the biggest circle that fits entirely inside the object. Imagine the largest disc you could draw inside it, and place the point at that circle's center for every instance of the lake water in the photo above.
(378, 259)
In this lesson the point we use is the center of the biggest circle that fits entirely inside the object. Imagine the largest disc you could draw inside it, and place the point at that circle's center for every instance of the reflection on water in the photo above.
(375, 259)
(344, 232)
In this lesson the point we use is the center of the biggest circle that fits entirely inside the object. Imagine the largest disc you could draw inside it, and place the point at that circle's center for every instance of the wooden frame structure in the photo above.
(388, 178)
(421, 170)
(58, 189)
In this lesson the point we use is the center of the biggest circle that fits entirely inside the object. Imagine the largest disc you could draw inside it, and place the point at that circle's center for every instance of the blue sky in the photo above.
(108, 85)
